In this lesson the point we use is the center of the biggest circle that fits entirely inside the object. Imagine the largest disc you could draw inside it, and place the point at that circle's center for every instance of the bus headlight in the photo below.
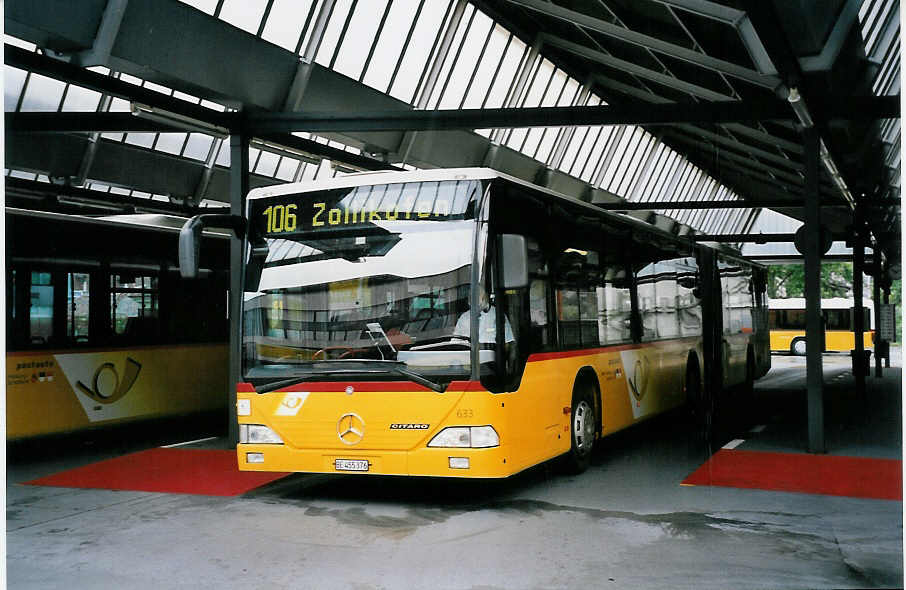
(475, 437)
(258, 434)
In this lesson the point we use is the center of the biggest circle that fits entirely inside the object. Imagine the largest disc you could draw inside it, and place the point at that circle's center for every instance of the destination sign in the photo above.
(287, 218)
(305, 213)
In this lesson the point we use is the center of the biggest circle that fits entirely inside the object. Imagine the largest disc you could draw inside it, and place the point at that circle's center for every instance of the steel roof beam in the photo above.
(66, 72)
(825, 60)
(743, 147)
(629, 114)
(743, 238)
(735, 127)
(745, 165)
(737, 19)
(707, 204)
(635, 69)
(653, 43)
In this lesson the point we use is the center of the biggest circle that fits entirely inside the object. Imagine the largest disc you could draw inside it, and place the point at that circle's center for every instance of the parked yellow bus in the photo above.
(101, 329)
(361, 353)
(786, 319)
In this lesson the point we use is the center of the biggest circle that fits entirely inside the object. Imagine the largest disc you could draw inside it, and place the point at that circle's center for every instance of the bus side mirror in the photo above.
(514, 258)
(190, 238)
(190, 248)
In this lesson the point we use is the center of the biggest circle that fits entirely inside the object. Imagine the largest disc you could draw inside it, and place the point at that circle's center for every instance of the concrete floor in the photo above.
(626, 522)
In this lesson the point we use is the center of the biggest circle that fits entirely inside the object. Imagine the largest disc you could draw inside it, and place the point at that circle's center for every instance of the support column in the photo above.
(813, 320)
(239, 188)
(876, 299)
(859, 369)
(886, 302)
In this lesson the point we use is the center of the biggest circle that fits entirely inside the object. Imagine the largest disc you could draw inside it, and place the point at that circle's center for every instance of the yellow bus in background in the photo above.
(362, 352)
(101, 329)
(786, 319)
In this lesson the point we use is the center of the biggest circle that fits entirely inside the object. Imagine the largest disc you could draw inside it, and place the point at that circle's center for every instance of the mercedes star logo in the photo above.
(351, 429)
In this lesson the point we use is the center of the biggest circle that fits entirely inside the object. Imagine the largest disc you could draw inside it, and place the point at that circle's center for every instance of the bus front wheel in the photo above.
(797, 347)
(583, 428)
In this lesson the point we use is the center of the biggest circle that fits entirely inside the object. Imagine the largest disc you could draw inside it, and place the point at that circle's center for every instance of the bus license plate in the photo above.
(350, 464)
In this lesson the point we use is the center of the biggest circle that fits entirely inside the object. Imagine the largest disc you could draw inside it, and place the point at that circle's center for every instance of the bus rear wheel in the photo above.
(583, 429)
(797, 347)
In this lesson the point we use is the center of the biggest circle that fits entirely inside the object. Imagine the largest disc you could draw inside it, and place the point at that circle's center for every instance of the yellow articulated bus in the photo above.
(101, 329)
(786, 319)
(465, 323)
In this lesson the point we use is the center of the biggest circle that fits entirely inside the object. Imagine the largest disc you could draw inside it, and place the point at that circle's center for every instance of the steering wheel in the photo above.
(425, 314)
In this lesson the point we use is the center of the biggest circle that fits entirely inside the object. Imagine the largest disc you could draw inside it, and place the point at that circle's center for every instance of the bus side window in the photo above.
(578, 276)
(77, 307)
(540, 335)
(40, 316)
(646, 280)
(688, 305)
(614, 302)
(134, 307)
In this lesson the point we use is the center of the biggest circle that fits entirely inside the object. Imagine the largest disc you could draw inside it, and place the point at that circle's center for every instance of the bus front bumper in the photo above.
(434, 462)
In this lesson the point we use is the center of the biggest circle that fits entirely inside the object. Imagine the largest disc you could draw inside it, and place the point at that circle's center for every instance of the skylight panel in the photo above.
(308, 171)
(198, 146)
(285, 22)
(267, 164)
(555, 94)
(612, 164)
(641, 188)
(19, 43)
(390, 45)
(333, 32)
(170, 143)
(509, 68)
(186, 97)
(629, 162)
(484, 74)
(118, 105)
(593, 166)
(287, 169)
(13, 81)
(223, 156)
(22, 174)
(157, 88)
(145, 140)
(244, 14)
(475, 65)
(81, 99)
(444, 78)
(206, 6)
(42, 94)
(363, 27)
(415, 59)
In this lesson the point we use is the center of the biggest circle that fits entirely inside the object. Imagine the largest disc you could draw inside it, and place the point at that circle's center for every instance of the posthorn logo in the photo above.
(106, 385)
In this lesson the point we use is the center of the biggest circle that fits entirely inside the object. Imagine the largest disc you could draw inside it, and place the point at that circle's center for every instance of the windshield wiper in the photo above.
(275, 385)
(411, 375)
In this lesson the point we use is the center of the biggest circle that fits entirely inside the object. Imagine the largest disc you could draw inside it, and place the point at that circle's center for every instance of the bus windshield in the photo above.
(362, 274)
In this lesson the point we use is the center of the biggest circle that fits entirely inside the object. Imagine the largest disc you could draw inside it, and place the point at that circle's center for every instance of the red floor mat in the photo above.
(854, 477)
(175, 471)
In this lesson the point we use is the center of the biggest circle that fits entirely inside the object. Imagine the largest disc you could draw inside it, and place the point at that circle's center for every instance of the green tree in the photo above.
(788, 280)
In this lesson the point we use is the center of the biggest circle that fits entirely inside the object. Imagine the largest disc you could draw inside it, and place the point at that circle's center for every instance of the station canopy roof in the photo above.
(686, 113)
